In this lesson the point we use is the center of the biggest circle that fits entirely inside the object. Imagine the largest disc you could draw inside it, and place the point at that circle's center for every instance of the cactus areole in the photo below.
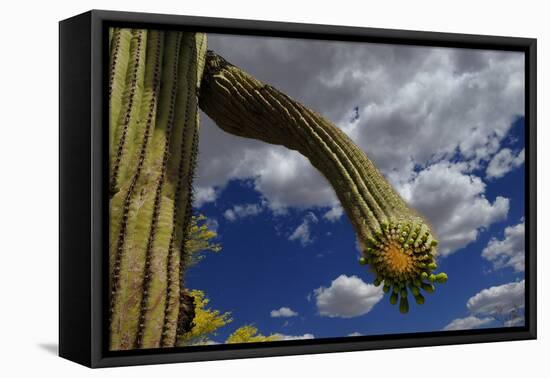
(157, 81)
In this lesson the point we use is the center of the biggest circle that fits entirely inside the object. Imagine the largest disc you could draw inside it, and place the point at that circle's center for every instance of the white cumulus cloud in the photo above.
(454, 202)
(508, 252)
(498, 305)
(204, 195)
(503, 162)
(213, 224)
(283, 312)
(303, 232)
(498, 300)
(334, 214)
(469, 322)
(347, 297)
(515, 321)
(305, 336)
(242, 211)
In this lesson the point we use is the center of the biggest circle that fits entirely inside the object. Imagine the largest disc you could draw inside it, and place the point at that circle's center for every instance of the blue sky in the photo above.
(448, 119)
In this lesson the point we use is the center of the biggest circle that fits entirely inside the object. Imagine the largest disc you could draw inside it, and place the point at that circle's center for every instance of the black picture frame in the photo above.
(83, 194)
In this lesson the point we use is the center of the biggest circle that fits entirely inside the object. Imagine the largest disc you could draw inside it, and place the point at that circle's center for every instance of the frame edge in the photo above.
(75, 336)
(98, 17)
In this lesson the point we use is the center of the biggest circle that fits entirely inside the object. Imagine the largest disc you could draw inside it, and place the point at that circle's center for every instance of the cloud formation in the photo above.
(302, 233)
(454, 202)
(469, 322)
(305, 336)
(204, 195)
(242, 211)
(502, 304)
(212, 224)
(347, 297)
(409, 107)
(498, 300)
(515, 321)
(283, 312)
(334, 214)
(508, 252)
(503, 162)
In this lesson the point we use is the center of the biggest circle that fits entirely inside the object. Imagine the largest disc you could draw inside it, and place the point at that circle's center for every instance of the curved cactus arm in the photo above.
(153, 140)
(396, 241)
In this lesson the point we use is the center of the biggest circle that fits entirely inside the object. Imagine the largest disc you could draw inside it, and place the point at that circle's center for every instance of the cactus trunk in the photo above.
(396, 241)
(153, 138)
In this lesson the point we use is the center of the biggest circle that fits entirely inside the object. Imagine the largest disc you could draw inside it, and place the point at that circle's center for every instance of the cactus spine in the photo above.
(153, 136)
(396, 242)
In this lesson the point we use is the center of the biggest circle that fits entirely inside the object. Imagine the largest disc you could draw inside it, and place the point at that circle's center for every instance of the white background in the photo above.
(29, 187)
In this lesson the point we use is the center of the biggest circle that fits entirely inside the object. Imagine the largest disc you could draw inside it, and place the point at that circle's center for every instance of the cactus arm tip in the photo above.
(402, 256)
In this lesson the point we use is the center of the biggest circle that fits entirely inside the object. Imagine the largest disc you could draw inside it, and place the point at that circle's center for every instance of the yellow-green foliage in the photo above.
(206, 322)
(249, 334)
(201, 239)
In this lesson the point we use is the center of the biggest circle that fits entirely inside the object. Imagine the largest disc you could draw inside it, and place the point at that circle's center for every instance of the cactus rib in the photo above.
(186, 309)
(131, 100)
(127, 219)
(182, 149)
(395, 240)
(171, 103)
(119, 58)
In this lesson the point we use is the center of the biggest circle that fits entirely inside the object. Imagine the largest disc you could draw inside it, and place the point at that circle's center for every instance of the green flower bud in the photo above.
(393, 298)
(404, 305)
(419, 299)
(428, 288)
(441, 278)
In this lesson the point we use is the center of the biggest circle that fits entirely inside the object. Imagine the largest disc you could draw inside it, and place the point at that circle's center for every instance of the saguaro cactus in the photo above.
(153, 135)
(396, 241)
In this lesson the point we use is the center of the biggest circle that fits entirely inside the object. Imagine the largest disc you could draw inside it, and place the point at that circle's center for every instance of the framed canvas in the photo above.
(234, 188)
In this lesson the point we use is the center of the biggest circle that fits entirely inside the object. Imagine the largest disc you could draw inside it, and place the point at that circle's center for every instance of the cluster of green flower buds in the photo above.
(402, 256)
